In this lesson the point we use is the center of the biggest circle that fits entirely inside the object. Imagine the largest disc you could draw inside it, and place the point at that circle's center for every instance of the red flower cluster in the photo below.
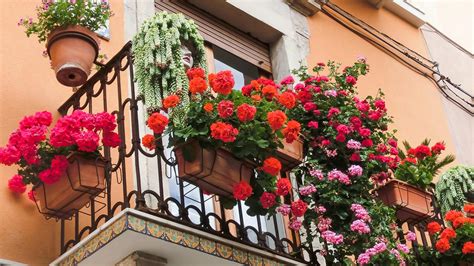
(242, 190)
(268, 200)
(438, 147)
(433, 228)
(222, 82)
(246, 112)
(468, 248)
(453, 215)
(276, 119)
(283, 187)
(298, 208)
(269, 92)
(193, 73)
(271, 166)
(223, 131)
(171, 101)
(59, 164)
(292, 131)
(287, 99)
(422, 151)
(442, 245)
(197, 85)
(469, 208)
(157, 122)
(208, 107)
(225, 109)
(16, 184)
(149, 141)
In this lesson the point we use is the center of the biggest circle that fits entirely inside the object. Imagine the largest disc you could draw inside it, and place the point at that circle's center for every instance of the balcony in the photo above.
(146, 208)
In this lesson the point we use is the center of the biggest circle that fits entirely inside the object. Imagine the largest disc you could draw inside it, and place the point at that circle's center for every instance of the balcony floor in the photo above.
(132, 230)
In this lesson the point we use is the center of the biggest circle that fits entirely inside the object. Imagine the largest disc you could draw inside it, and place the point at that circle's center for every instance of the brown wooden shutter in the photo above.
(221, 34)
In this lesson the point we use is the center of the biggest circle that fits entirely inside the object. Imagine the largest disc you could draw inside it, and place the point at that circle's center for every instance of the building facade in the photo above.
(253, 39)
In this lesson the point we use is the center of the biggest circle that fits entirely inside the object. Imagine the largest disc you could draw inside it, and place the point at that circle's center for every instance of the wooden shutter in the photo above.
(221, 34)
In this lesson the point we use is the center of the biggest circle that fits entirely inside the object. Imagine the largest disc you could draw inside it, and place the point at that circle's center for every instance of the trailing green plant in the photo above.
(452, 186)
(159, 70)
(419, 165)
(61, 13)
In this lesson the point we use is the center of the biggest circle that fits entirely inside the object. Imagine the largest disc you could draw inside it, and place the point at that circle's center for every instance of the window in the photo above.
(243, 71)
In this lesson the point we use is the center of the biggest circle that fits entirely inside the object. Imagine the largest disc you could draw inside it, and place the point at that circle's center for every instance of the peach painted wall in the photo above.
(27, 85)
(413, 100)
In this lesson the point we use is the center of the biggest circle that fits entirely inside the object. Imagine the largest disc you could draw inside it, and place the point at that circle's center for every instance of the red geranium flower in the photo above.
(433, 228)
(443, 245)
(31, 195)
(351, 80)
(242, 190)
(157, 122)
(438, 147)
(171, 101)
(448, 233)
(287, 99)
(195, 72)
(222, 82)
(410, 160)
(422, 151)
(269, 92)
(276, 119)
(110, 139)
(267, 200)
(298, 208)
(283, 187)
(149, 141)
(452, 215)
(197, 85)
(225, 108)
(247, 90)
(223, 131)
(469, 208)
(16, 184)
(208, 107)
(468, 248)
(291, 131)
(246, 112)
(271, 166)
(460, 221)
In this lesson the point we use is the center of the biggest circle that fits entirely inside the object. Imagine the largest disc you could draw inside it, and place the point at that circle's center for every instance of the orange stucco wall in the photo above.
(413, 100)
(27, 85)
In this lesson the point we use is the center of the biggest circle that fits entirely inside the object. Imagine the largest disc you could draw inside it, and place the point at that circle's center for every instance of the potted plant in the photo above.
(453, 187)
(225, 136)
(65, 170)
(453, 244)
(67, 27)
(408, 191)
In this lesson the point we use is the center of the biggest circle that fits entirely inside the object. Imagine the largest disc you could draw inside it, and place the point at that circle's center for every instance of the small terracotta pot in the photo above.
(83, 180)
(413, 204)
(72, 51)
(214, 171)
(291, 155)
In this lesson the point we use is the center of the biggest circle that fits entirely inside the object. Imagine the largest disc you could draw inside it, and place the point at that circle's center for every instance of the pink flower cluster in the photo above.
(284, 209)
(295, 224)
(355, 170)
(317, 173)
(365, 257)
(307, 190)
(411, 236)
(332, 237)
(360, 212)
(339, 176)
(324, 224)
(83, 129)
(360, 227)
(353, 144)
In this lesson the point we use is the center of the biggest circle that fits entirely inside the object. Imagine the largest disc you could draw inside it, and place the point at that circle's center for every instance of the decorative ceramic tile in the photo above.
(136, 224)
(239, 255)
(207, 246)
(190, 240)
(154, 230)
(224, 250)
(163, 232)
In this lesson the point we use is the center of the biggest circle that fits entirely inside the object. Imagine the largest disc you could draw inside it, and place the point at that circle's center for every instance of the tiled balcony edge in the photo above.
(140, 222)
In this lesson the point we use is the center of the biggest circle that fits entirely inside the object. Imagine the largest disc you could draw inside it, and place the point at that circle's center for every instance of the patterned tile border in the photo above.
(169, 234)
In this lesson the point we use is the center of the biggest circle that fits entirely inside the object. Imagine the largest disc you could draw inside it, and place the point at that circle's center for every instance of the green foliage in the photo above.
(62, 13)
(452, 185)
(159, 70)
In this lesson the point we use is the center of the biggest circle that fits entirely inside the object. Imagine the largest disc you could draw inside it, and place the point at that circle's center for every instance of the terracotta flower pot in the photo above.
(84, 179)
(413, 204)
(291, 155)
(72, 51)
(214, 171)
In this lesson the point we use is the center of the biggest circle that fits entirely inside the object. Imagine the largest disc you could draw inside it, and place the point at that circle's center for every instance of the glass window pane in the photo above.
(243, 71)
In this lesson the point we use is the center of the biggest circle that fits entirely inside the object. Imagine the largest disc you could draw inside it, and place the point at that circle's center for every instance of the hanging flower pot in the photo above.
(72, 51)
(413, 204)
(214, 171)
(291, 155)
(84, 179)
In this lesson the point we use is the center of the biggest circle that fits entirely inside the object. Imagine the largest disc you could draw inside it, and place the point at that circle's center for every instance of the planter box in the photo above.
(413, 204)
(83, 180)
(72, 51)
(214, 171)
(291, 155)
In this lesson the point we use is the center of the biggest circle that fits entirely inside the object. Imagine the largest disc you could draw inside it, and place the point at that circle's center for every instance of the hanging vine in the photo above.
(159, 70)
(452, 185)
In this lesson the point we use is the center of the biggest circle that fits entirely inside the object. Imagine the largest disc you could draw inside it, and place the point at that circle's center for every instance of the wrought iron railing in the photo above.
(112, 89)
